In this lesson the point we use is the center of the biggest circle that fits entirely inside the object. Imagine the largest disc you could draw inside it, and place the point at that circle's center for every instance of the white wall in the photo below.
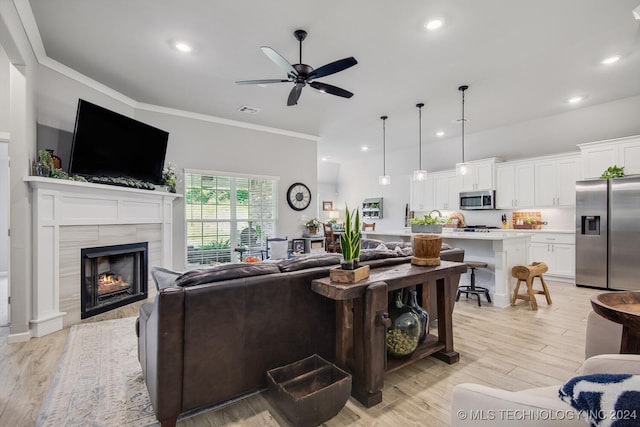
(204, 145)
(4, 91)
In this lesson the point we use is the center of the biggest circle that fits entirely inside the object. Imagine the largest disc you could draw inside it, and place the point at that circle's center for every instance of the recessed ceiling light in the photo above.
(364, 148)
(182, 46)
(434, 24)
(575, 99)
(440, 133)
(610, 60)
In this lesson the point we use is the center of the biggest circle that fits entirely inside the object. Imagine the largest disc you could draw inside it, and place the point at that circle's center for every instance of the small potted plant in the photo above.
(613, 172)
(350, 240)
(312, 226)
(426, 224)
(349, 271)
(169, 177)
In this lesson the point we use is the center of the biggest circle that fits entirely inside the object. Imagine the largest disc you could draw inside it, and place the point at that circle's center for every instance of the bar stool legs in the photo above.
(526, 274)
(473, 289)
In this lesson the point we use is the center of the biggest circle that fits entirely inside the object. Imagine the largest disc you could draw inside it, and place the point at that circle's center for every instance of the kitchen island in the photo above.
(500, 250)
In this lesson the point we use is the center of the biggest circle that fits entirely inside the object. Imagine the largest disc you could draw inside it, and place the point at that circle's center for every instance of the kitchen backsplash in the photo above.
(557, 219)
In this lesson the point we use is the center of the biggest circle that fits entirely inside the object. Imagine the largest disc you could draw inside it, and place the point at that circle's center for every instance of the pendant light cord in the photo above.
(384, 149)
(462, 89)
(420, 105)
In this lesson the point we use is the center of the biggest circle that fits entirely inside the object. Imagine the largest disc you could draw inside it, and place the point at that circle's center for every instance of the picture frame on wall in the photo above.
(297, 245)
(327, 206)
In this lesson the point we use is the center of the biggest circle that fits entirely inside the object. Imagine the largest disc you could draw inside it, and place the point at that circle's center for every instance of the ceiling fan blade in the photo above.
(333, 90)
(333, 67)
(294, 95)
(280, 61)
(261, 82)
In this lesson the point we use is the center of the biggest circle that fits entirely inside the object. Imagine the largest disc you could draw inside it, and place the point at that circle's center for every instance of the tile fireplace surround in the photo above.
(69, 216)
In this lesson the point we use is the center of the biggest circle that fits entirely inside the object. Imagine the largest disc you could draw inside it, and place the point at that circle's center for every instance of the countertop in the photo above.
(494, 234)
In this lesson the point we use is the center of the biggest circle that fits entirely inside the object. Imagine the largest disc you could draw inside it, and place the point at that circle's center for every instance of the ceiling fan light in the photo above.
(420, 175)
(462, 169)
(384, 180)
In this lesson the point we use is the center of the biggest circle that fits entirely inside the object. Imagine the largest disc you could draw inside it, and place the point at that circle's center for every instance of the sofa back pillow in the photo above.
(225, 272)
(308, 261)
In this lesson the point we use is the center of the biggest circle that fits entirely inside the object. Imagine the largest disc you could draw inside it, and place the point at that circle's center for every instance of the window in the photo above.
(227, 212)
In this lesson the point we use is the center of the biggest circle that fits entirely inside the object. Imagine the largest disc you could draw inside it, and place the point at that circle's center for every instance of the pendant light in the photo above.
(462, 168)
(384, 179)
(420, 174)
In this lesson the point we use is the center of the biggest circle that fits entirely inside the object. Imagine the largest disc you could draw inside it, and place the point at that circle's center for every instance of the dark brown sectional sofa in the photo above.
(211, 334)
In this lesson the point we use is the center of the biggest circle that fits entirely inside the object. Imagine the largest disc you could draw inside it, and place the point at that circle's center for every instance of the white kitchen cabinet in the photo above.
(557, 250)
(479, 176)
(514, 185)
(555, 181)
(446, 190)
(598, 156)
(421, 197)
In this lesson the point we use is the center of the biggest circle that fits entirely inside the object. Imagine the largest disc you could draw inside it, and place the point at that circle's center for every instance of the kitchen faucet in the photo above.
(436, 210)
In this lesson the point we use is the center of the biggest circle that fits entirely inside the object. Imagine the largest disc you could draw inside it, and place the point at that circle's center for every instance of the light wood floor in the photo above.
(511, 348)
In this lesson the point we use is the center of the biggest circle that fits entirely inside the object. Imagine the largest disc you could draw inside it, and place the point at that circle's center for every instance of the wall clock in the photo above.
(298, 196)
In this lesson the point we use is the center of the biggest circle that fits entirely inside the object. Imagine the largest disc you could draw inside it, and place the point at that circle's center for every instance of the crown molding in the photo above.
(33, 34)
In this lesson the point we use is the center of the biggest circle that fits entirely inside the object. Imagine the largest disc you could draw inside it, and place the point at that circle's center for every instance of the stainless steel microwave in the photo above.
(477, 200)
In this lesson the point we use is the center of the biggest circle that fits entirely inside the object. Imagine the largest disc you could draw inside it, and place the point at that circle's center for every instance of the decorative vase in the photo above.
(312, 230)
(421, 312)
(349, 265)
(404, 333)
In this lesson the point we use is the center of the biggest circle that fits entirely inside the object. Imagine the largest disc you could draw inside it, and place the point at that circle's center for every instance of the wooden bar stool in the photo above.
(473, 289)
(526, 273)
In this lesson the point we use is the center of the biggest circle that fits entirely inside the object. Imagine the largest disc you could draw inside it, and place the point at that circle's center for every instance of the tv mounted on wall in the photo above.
(106, 143)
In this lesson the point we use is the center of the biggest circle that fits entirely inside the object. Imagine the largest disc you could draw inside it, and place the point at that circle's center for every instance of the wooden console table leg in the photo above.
(445, 289)
(344, 332)
(369, 344)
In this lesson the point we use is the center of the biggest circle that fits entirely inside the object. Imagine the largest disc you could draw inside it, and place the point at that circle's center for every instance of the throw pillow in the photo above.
(605, 399)
(225, 272)
(163, 277)
(308, 261)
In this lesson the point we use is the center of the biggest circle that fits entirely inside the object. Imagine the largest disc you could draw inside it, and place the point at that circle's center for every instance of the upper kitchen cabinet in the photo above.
(446, 190)
(555, 180)
(598, 156)
(515, 185)
(480, 175)
(421, 195)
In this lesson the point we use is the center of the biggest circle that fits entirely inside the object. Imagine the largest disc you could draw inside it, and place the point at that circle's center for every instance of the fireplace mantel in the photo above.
(58, 203)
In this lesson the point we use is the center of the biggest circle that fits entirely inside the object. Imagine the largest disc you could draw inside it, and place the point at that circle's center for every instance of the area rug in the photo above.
(99, 380)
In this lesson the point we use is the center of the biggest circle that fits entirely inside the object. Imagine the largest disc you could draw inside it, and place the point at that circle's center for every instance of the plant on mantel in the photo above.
(350, 239)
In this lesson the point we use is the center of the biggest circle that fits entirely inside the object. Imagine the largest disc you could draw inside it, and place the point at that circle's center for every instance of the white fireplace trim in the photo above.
(57, 203)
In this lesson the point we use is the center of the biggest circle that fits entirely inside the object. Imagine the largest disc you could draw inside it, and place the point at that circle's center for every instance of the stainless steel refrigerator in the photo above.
(608, 233)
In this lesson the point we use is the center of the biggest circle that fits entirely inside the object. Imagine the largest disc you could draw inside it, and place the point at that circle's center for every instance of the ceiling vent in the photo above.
(248, 110)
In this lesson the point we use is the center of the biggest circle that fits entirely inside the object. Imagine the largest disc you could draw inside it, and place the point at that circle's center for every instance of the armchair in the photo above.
(495, 406)
(479, 405)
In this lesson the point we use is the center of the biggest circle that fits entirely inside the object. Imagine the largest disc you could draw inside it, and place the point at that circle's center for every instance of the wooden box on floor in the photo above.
(310, 391)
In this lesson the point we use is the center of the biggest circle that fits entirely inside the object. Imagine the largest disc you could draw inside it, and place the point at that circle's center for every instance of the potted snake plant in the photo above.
(350, 240)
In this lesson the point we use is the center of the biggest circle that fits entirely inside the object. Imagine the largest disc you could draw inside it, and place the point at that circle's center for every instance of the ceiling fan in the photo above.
(302, 74)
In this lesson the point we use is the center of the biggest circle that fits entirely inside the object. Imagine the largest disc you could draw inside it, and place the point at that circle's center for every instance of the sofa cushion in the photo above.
(225, 272)
(308, 261)
(371, 254)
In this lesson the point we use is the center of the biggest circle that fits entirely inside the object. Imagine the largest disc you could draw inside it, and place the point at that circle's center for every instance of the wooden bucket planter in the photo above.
(426, 250)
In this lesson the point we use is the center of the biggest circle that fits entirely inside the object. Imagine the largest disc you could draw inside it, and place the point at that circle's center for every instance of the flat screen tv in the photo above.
(106, 143)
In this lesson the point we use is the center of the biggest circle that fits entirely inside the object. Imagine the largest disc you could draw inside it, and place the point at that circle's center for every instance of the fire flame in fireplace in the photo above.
(109, 281)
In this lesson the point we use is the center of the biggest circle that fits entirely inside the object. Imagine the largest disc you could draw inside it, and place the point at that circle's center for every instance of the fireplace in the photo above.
(112, 276)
